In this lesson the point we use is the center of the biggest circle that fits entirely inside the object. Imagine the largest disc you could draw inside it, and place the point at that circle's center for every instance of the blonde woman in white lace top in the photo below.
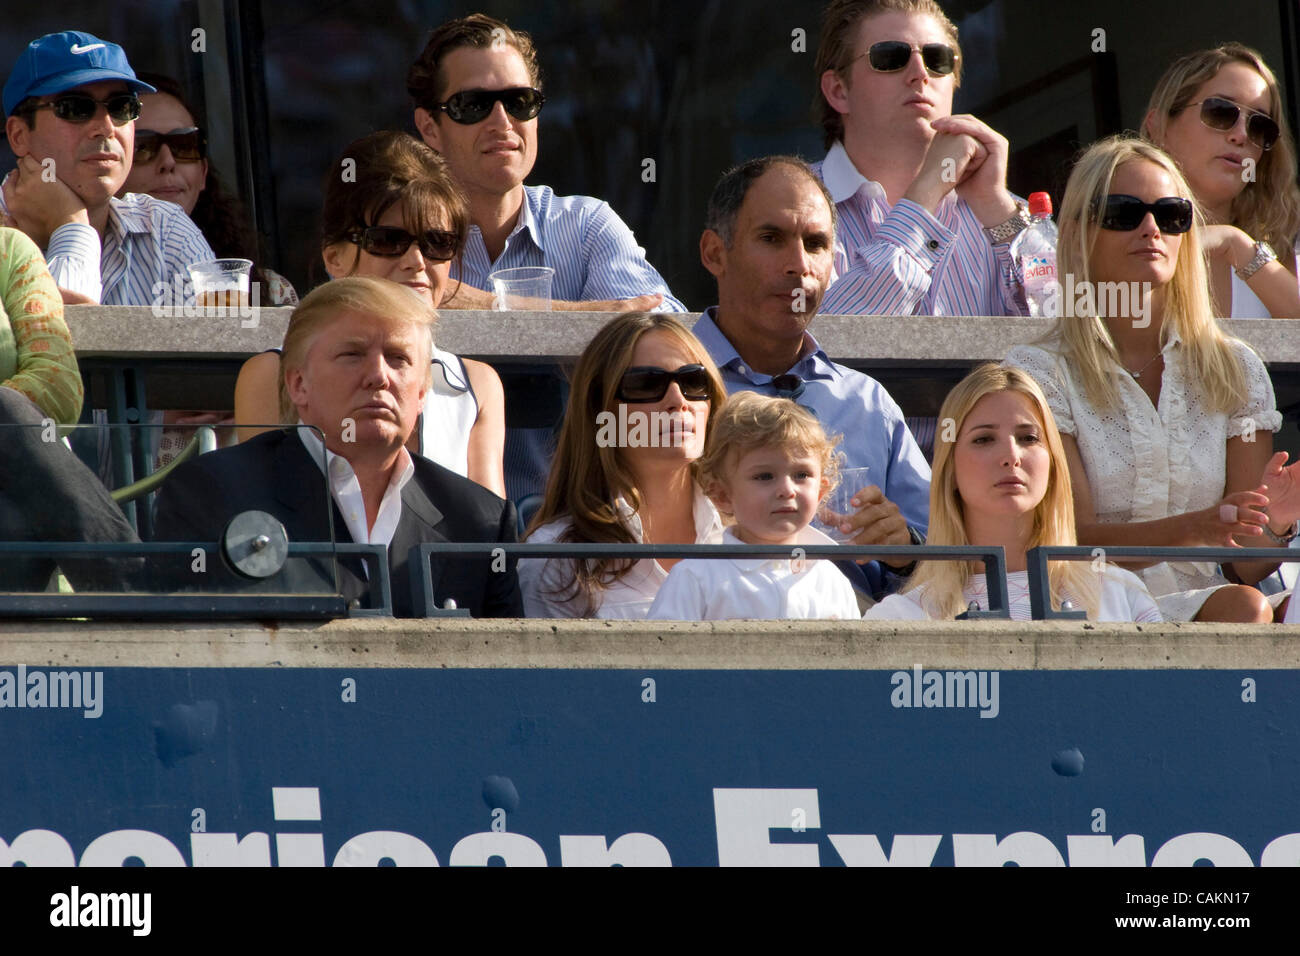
(1167, 421)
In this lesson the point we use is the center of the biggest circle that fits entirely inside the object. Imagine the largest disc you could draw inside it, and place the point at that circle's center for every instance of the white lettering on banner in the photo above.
(745, 817)
(631, 849)
(743, 820)
(864, 849)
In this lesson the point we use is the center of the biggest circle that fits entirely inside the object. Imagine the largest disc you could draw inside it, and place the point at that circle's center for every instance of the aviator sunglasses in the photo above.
(1218, 113)
(1122, 213)
(647, 383)
(186, 145)
(81, 108)
(473, 106)
(391, 242)
(890, 56)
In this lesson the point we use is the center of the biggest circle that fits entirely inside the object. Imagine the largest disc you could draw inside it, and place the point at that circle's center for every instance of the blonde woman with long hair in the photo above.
(1219, 114)
(1004, 480)
(639, 405)
(1167, 422)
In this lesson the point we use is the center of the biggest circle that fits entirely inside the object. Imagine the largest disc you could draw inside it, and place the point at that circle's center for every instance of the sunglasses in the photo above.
(1218, 113)
(789, 386)
(647, 383)
(1122, 213)
(390, 242)
(890, 56)
(186, 145)
(80, 108)
(473, 106)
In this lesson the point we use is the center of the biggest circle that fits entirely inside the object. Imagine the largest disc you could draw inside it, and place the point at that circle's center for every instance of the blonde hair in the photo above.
(389, 302)
(587, 478)
(839, 32)
(751, 421)
(1086, 341)
(943, 581)
(1267, 208)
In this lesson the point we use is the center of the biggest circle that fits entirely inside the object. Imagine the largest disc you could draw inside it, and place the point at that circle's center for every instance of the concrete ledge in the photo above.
(731, 645)
(118, 331)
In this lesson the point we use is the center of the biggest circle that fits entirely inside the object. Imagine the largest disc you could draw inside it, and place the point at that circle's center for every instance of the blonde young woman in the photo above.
(1219, 114)
(1167, 422)
(1004, 480)
(639, 407)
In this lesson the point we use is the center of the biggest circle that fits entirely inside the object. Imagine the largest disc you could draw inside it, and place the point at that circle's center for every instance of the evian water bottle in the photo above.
(1034, 250)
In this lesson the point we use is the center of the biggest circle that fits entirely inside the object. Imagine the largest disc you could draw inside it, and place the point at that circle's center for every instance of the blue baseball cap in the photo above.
(60, 61)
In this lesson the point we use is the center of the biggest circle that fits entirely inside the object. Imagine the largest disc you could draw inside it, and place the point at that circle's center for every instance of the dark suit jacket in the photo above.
(274, 473)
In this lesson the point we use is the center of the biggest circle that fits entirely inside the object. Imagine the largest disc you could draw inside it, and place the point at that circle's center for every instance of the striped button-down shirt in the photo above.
(144, 258)
(594, 254)
(901, 260)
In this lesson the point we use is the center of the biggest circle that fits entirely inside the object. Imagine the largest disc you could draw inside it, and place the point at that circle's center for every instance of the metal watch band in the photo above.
(1282, 538)
(1264, 254)
(1007, 230)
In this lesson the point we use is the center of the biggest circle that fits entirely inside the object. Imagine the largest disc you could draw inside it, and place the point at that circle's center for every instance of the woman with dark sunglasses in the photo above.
(642, 393)
(171, 163)
(1219, 114)
(399, 216)
(1167, 422)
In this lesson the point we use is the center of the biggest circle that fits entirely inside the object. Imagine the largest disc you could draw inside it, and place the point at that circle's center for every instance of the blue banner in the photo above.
(916, 767)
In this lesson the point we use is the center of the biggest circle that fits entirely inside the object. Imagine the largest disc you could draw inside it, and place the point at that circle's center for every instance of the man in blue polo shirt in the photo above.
(70, 106)
(477, 93)
(769, 240)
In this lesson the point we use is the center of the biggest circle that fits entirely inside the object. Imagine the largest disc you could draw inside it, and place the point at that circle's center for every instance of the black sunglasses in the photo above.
(186, 145)
(81, 108)
(1122, 213)
(890, 56)
(473, 106)
(390, 242)
(648, 383)
(1218, 113)
(789, 386)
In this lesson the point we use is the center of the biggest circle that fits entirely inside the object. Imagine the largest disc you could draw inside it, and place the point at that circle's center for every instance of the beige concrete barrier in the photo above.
(730, 645)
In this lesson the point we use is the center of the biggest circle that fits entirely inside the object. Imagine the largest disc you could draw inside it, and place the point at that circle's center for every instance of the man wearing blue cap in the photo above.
(70, 106)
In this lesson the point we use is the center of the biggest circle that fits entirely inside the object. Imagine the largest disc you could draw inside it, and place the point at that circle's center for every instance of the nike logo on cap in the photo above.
(77, 48)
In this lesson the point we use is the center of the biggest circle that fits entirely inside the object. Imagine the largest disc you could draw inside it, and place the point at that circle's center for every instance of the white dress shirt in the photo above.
(630, 597)
(1123, 598)
(1143, 462)
(723, 589)
(346, 490)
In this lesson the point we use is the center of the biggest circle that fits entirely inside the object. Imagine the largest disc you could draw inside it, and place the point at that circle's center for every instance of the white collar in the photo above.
(708, 523)
(339, 470)
(842, 178)
(807, 536)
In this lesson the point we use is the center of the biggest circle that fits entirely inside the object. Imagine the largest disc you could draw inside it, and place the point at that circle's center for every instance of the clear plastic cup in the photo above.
(836, 506)
(526, 289)
(221, 283)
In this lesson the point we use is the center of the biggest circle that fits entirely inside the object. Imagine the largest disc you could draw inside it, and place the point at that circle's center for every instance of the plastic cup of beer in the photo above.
(221, 283)
(837, 506)
(526, 289)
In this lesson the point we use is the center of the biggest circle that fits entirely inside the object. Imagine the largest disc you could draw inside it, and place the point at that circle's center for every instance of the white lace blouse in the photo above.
(1145, 463)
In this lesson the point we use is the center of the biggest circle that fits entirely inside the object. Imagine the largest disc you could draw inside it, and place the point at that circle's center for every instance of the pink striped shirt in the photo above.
(901, 260)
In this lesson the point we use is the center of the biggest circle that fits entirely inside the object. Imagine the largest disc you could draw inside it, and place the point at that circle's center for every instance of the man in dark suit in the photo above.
(356, 363)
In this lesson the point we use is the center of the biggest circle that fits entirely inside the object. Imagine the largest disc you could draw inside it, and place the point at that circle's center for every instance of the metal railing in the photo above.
(1040, 603)
(994, 558)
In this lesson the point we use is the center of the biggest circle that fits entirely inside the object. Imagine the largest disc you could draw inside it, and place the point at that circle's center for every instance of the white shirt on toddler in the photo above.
(721, 589)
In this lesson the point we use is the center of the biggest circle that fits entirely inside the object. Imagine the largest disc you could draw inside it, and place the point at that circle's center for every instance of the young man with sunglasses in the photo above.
(70, 105)
(925, 218)
(769, 241)
(477, 92)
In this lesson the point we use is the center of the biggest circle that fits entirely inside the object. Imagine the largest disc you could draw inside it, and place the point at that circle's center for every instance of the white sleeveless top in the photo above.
(450, 410)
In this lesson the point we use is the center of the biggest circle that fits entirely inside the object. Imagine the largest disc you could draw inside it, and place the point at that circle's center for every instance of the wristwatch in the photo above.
(1283, 539)
(1007, 230)
(1264, 254)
